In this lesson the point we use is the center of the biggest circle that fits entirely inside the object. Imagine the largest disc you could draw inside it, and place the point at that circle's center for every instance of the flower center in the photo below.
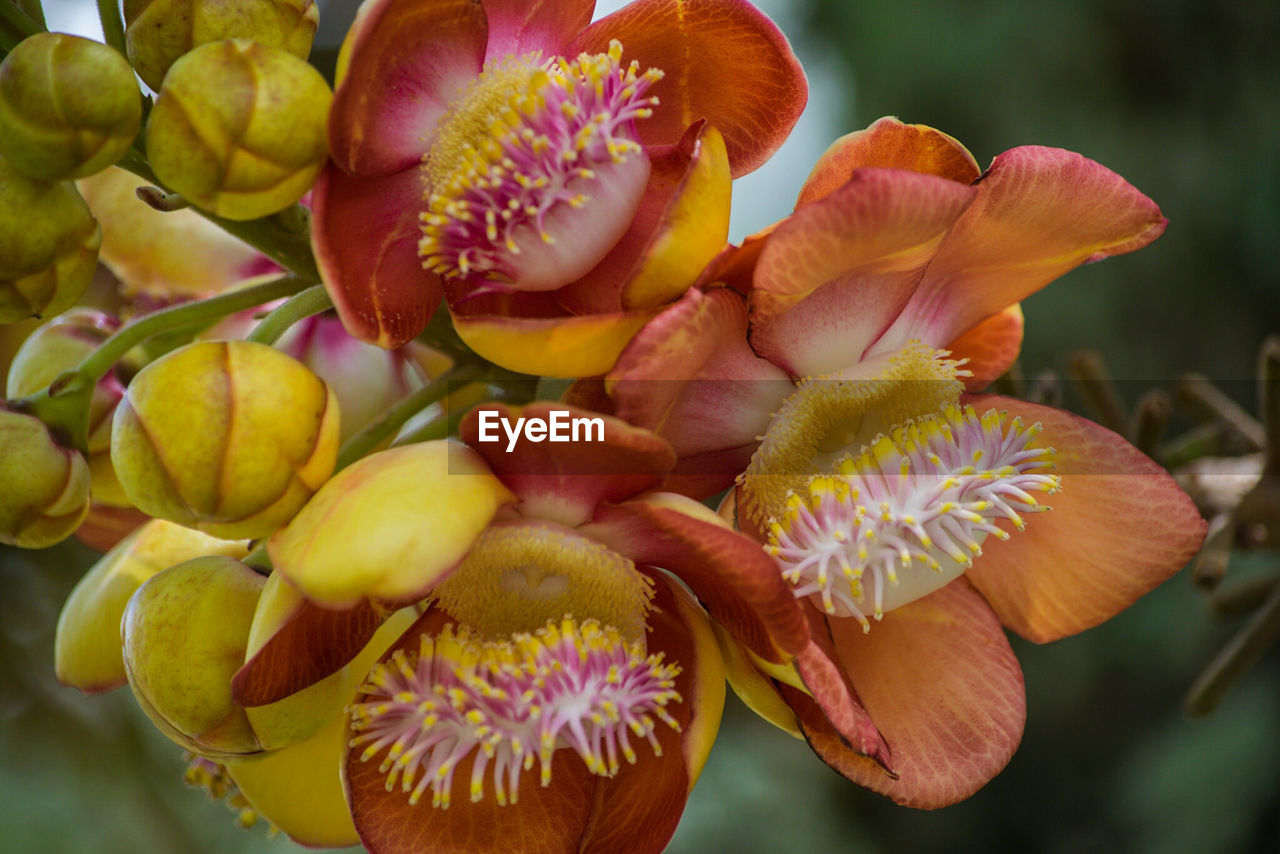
(521, 575)
(524, 147)
(580, 686)
(927, 494)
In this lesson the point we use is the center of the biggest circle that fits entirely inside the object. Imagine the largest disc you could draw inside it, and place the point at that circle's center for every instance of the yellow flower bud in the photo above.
(48, 246)
(87, 649)
(69, 107)
(159, 31)
(44, 486)
(240, 128)
(184, 633)
(229, 437)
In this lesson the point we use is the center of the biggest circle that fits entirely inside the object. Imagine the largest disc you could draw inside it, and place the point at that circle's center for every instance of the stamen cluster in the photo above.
(581, 686)
(546, 137)
(928, 493)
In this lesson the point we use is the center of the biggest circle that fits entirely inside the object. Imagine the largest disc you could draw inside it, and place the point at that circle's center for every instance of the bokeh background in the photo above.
(1180, 98)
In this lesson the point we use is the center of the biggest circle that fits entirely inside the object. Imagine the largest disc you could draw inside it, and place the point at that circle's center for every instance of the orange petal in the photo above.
(889, 144)
(735, 266)
(941, 683)
(1039, 213)
(723, 61)
(835, 275)
(1119, 527)
(518, 27)
(991, 347)
(365, 235)
(403, 61)
(565, 481)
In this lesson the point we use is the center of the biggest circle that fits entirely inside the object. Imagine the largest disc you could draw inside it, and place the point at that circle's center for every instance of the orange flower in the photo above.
(559, 181)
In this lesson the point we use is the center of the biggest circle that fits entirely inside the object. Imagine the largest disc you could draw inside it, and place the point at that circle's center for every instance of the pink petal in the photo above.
(723, 61)
(365, 236)
(991, 347)
(836, 274)
(518, 27)
(1039, 213)
(1119, 527)
(403, 62)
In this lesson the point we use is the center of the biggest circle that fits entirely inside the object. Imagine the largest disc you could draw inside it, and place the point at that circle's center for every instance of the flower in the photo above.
(552, 627)
(576, 177)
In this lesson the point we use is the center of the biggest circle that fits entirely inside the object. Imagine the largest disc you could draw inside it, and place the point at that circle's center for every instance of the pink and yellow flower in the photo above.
(561, 688)
(559, 180)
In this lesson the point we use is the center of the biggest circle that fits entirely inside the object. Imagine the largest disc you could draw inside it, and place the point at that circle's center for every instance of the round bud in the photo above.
(157, 32)
(239, 128)
(229, 437)
(69, 107)
(48, 246)
(44, 486)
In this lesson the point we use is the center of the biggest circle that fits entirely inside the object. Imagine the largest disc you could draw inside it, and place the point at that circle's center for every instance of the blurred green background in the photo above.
(1180, 98)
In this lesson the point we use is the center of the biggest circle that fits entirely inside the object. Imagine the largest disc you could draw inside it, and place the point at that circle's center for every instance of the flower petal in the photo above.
(565, 481)
(365, 235)
(723, 61)
(1119, 527)
(518, 27)
(991, 347)
(889, 144)
(729, 573)
(941, 683)
(1039, 213)
(835, 275)
(403, 61)
(735, 266)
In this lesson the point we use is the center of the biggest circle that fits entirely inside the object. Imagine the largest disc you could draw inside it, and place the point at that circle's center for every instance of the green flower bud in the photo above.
(48, 246)
(44, 486)
(158, 32)
(69, 107)
(229, 437)
(240, 128)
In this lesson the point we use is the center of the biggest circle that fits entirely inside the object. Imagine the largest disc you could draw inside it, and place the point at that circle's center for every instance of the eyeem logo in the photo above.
(560, 426)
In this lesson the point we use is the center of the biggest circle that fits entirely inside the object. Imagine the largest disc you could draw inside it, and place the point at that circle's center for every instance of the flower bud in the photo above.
(87, 649)
(44, 486)
(48, 246)
(184, 633)
(240, 128)
(229, 437)
(157, 32)
(69, 107)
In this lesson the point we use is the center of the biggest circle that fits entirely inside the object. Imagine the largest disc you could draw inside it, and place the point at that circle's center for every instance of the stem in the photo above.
(15, 25)
(34, 11)
(1206, 402)
(395, 417)
(1095, 385)
(1269, 402)
(1236, 657)
(289, 249)
(112, 25)
(299, 306)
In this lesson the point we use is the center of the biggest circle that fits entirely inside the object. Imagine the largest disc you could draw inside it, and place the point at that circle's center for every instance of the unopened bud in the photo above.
(69, 107)
(229, 437)
(159, 31)
(239, 128)
(44, 485)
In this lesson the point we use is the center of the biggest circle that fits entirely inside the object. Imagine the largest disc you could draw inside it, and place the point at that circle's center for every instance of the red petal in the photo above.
(365, 235)
(401, 65)
(941, 683)
(889, 144)
(837, 273)
(1119, 527)
(729, 573)
(315, 643)
(991, 347)
(565, 481)
(723, 61)
(1039, 213)
(735, 266)
(518, 27)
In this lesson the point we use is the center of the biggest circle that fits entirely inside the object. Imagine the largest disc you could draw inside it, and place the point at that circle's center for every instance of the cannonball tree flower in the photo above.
(559, 180)
(584, 685)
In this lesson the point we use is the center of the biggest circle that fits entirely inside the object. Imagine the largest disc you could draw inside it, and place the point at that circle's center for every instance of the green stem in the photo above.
(290, 249)
(34, 11)
(299, 306)
(1240, 653)
(395, 417)
(112, 25)
(17, 24)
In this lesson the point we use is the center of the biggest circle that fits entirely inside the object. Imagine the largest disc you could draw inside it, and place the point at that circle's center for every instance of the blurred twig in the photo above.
(1240, 653)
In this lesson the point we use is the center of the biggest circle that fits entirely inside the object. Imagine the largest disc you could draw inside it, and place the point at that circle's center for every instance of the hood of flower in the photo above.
(508, 703)
(909, 513)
